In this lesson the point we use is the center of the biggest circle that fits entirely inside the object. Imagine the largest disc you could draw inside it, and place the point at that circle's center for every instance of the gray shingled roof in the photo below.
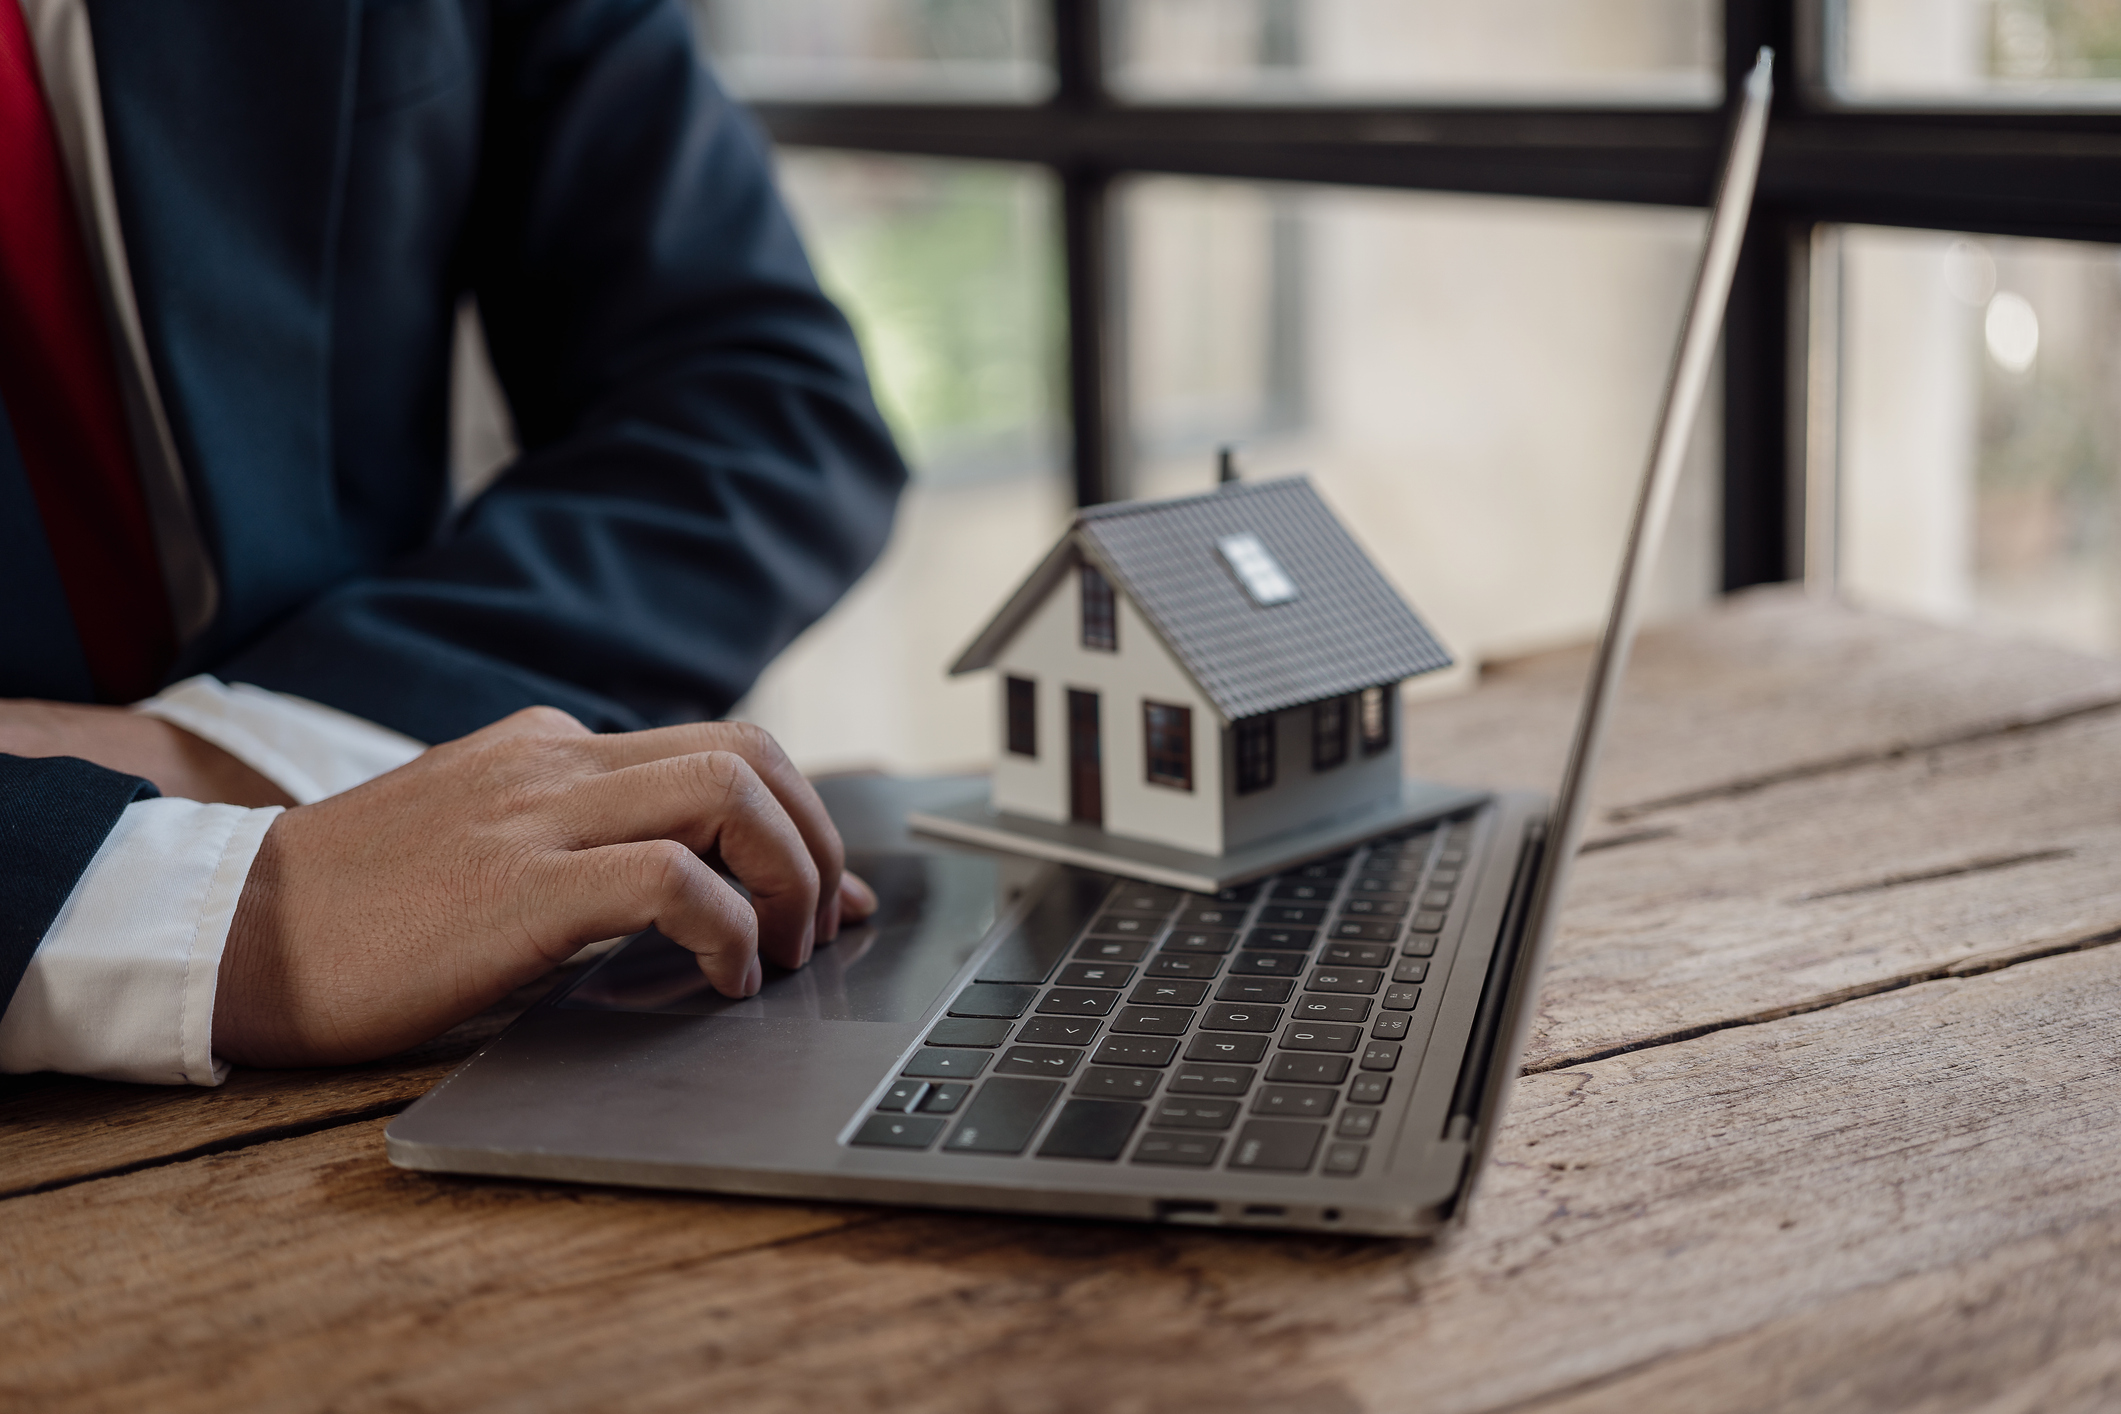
(1347, 628)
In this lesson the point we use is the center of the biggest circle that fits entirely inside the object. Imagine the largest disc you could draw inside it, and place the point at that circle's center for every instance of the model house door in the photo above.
(1086, 777)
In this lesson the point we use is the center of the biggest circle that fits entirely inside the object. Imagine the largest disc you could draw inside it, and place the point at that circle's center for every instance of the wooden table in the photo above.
(1823, 1112)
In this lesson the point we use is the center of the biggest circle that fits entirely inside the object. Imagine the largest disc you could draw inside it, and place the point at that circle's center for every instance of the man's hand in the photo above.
(378, 918)
(179, 763)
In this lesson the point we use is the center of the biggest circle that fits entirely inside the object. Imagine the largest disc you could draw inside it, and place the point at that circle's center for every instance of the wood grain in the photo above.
(1658, 1228)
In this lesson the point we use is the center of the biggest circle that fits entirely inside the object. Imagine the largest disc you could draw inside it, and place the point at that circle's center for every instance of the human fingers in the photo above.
(857, 900)
(764, 755)
(624, 888)
(714, 802)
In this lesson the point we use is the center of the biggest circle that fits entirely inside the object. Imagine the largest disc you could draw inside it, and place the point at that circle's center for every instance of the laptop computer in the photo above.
(1329, 1048)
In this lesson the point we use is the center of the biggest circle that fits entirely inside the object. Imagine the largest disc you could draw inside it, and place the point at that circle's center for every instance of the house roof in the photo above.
(1345, 629)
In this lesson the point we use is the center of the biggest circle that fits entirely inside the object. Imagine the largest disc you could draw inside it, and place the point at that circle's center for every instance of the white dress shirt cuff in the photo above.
(303, 747)
(122, 985)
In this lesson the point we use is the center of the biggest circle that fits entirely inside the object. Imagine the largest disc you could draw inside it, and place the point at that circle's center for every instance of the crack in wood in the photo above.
(1627, 837)
(1952, 871)
(226, 1144)
(1944, 972)
(1859, 760)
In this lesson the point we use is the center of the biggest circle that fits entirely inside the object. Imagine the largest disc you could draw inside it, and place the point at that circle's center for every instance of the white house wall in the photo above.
(1301, 796)
(1048, 650)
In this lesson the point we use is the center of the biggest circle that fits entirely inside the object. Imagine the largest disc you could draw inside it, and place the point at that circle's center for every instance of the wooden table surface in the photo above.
(1823, 1112)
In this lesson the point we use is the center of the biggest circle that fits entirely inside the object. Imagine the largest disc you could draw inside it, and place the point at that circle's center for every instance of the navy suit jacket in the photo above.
(307, 190)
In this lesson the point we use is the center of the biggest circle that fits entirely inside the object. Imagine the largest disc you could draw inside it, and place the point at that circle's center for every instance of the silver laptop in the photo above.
(1328, 1048)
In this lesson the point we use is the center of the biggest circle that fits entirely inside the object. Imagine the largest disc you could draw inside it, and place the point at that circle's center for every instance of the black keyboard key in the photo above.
(1280, 939)
(1427, 923)
(1353, 954)
(1343, 1160)
(1321, 1036)
(1356, 1124)
(1401, 998)
(1276, 1145)
(1267, 964)
(1436, 899)
(1168, 991)
(903, 1096)
(1235, 1016)
(1316, 1008)
(929, 1063)
(1236, 893)
(1168, 964)
(1143, 898)
(1176, 1113)
(1094, 974)
(993, 999)
(1332, 868)
(1403, 883)
(1058, 1031)
(1374, 907)
(945, 1098)
(1380, 1055)
(1293, 1101)
(1352, 981)
(1444, 878)
(1199, 1078)
(1003, 1116)
(1153, 1021)
(1391, 1026)
(1292, 915)
(1295, 1068)
(1369, 1089)
(1114, 949)
(1365, 930)
(1077, 1001)
(1413, 971)
(1419, 945)
(1199, 941)
(1125, 925)
(1038, 1060)
(1271, 990)
(1091, 1129)
(1227, 1046)
(891, 1131)
(1117, 1083)
(1453, 856)
(1136, 1050)
(1213, 916)
(1305, 891)
(967, 1031)
(1193, 1151)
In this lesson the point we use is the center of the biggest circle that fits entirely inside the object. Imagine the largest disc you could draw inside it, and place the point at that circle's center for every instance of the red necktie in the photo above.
(60, 385)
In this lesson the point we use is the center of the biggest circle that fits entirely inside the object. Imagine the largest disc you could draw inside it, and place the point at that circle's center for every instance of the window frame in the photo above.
(1182, 731)
(1020, 710)
(1386, 696)
(1099, 622)
(1253, 764)
(1990, 170)
(1329, 734)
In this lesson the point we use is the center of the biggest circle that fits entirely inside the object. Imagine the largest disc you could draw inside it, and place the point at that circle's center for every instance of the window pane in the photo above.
(930, 50)
(1980, 433)
(1517, 51)
(2012, 52)
(1470, 381)
(950, 272)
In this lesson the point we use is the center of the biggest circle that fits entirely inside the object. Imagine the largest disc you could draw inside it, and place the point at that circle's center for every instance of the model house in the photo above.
(1209, 675)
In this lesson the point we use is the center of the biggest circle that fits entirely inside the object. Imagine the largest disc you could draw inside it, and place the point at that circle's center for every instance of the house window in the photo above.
(1255, 754)
(1100, 613)
(1023, 717)
(1167, 733)
(1374, 717)
(1329, 733)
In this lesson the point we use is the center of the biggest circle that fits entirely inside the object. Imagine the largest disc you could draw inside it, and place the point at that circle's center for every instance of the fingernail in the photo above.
(831, 929)
(754, 978)
(809, 943)
(860, 898)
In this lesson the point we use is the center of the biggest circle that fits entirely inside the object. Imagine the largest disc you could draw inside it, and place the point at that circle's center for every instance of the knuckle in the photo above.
(667, 869)
(550, 720)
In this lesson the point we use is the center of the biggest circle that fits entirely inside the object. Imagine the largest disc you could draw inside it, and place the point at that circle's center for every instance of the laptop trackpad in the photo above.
(933, 910)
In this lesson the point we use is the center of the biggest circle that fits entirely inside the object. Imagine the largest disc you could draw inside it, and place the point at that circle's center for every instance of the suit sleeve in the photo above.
(704, 471)
(54, 815)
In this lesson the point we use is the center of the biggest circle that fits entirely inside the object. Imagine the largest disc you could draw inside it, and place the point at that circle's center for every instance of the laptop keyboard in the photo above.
(1260, 1029)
